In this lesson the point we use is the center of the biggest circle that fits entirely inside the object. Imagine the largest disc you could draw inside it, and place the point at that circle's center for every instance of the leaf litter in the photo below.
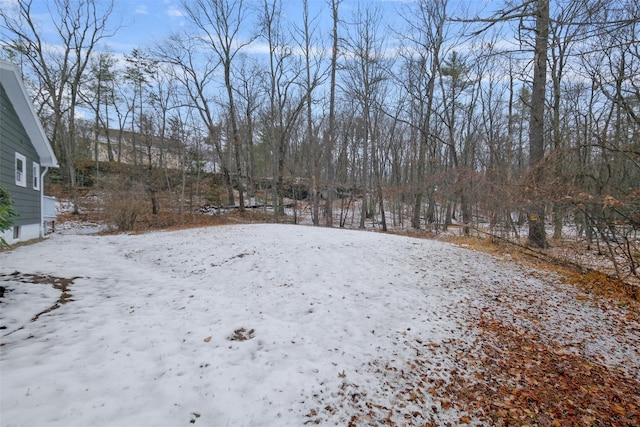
(371, 329)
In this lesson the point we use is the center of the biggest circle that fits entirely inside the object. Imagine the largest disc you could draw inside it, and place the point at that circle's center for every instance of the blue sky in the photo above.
(147, 21)
(142, 23)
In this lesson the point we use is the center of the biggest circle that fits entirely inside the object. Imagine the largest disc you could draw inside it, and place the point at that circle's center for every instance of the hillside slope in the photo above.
(265, 325)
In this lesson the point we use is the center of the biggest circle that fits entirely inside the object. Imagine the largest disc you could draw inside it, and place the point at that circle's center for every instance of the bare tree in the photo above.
(196, 70)
(331, 131)
(285, 91)
(99, 96)
(366, 76)
(422, 56)
(221, 21)
(59, 64)
(537, 233)
(250, 98)
(538, 10)
(454, 82)
(138, 73)
(568, 26)
(314, 74)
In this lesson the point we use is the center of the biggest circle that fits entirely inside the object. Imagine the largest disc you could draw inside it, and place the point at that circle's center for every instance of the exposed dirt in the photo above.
(60, 283)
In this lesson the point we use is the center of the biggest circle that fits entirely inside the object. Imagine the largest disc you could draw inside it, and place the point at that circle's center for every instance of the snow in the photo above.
(244, 325)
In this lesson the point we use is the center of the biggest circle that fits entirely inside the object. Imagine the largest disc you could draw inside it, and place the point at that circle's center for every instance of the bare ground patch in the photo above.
(60, 283)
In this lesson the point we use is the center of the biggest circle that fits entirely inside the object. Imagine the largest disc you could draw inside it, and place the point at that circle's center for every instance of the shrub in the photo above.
(7, 213)
(124, 202)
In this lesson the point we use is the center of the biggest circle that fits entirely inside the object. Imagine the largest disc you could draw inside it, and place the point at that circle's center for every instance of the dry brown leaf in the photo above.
(619, 409)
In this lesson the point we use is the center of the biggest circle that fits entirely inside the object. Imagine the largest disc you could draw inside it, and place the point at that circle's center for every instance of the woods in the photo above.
(428, 116)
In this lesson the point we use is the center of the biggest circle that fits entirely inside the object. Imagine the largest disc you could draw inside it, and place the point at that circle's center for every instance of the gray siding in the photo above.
(13, 138)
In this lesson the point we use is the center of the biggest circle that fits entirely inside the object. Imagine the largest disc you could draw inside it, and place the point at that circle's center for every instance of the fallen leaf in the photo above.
(618, 409)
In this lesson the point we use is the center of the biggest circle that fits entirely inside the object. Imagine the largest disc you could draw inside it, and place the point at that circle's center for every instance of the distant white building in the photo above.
(124, 145)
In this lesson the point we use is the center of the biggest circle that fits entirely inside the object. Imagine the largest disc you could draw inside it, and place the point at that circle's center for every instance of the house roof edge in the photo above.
(17, 92)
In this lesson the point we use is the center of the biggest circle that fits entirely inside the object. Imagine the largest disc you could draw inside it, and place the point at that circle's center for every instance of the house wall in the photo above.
(27, 232)
(13, 138)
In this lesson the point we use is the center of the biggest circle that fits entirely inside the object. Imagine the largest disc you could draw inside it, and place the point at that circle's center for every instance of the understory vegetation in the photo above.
(518, 122)
(121, 204)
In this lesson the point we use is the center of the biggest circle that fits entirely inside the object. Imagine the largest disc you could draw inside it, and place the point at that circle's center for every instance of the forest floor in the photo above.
(541, 359)
(550, 346)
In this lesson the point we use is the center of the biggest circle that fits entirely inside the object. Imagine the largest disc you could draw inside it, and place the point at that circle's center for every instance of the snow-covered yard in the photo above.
(271, 325)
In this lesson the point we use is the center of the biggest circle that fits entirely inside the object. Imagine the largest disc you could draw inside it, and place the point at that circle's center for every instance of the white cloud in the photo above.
(6, 4)
(9, 7)
(141, 10)
(174, 11)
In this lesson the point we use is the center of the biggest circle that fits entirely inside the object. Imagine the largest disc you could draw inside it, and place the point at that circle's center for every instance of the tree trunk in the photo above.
(537, 234)
(328, 210)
